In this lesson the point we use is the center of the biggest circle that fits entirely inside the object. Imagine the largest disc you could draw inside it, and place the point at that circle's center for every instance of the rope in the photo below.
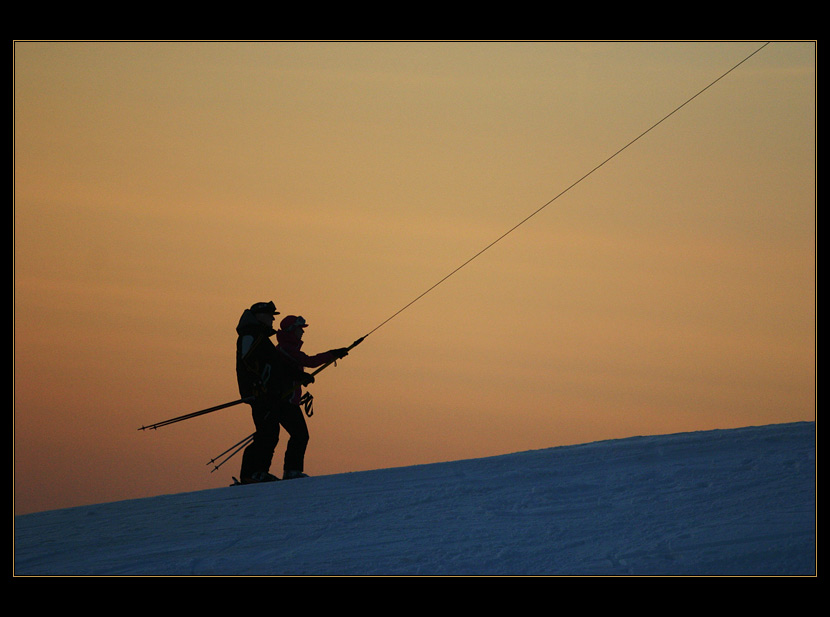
(537, 211)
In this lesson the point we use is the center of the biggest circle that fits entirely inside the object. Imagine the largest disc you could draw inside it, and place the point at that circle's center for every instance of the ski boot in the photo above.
(259, 476)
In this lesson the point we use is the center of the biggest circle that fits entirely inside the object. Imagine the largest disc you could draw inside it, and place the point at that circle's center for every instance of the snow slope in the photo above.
(724, 502)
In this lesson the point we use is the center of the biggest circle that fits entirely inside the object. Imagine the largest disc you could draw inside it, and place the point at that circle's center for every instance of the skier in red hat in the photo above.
(289, 347)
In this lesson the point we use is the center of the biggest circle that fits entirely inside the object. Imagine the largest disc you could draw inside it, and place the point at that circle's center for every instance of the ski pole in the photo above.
(239, 446)
(232, 403)
(196, 413)
(221, 454)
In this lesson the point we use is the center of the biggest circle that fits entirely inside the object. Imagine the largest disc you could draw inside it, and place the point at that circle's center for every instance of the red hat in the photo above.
(292, 321)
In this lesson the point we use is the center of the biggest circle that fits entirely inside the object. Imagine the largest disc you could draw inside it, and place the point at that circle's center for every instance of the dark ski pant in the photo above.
(268, 417)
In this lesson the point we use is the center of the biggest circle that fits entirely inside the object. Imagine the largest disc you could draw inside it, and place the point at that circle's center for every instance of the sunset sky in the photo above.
(162, 187)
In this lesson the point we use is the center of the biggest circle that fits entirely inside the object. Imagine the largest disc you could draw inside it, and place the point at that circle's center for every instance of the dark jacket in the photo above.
(290, 347)
(260, 369)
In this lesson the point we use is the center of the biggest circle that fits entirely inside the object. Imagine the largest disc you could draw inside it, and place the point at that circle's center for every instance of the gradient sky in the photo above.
(163, 187)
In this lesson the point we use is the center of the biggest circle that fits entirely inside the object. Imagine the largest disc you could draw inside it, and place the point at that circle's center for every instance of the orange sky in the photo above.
(161, 188)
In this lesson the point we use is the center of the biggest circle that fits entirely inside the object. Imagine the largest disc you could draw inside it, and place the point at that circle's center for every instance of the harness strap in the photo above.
(306, 402)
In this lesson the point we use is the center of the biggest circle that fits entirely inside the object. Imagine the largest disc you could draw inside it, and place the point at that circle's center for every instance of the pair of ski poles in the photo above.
(241, 444)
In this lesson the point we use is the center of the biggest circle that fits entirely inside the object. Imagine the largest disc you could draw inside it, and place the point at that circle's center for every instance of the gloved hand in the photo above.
(340, 353)
(307, 379)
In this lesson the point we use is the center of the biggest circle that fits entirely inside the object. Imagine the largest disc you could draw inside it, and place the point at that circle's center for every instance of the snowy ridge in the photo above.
(726, 502)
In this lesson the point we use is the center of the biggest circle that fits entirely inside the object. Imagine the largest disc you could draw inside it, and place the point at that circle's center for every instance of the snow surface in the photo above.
(725, 502)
